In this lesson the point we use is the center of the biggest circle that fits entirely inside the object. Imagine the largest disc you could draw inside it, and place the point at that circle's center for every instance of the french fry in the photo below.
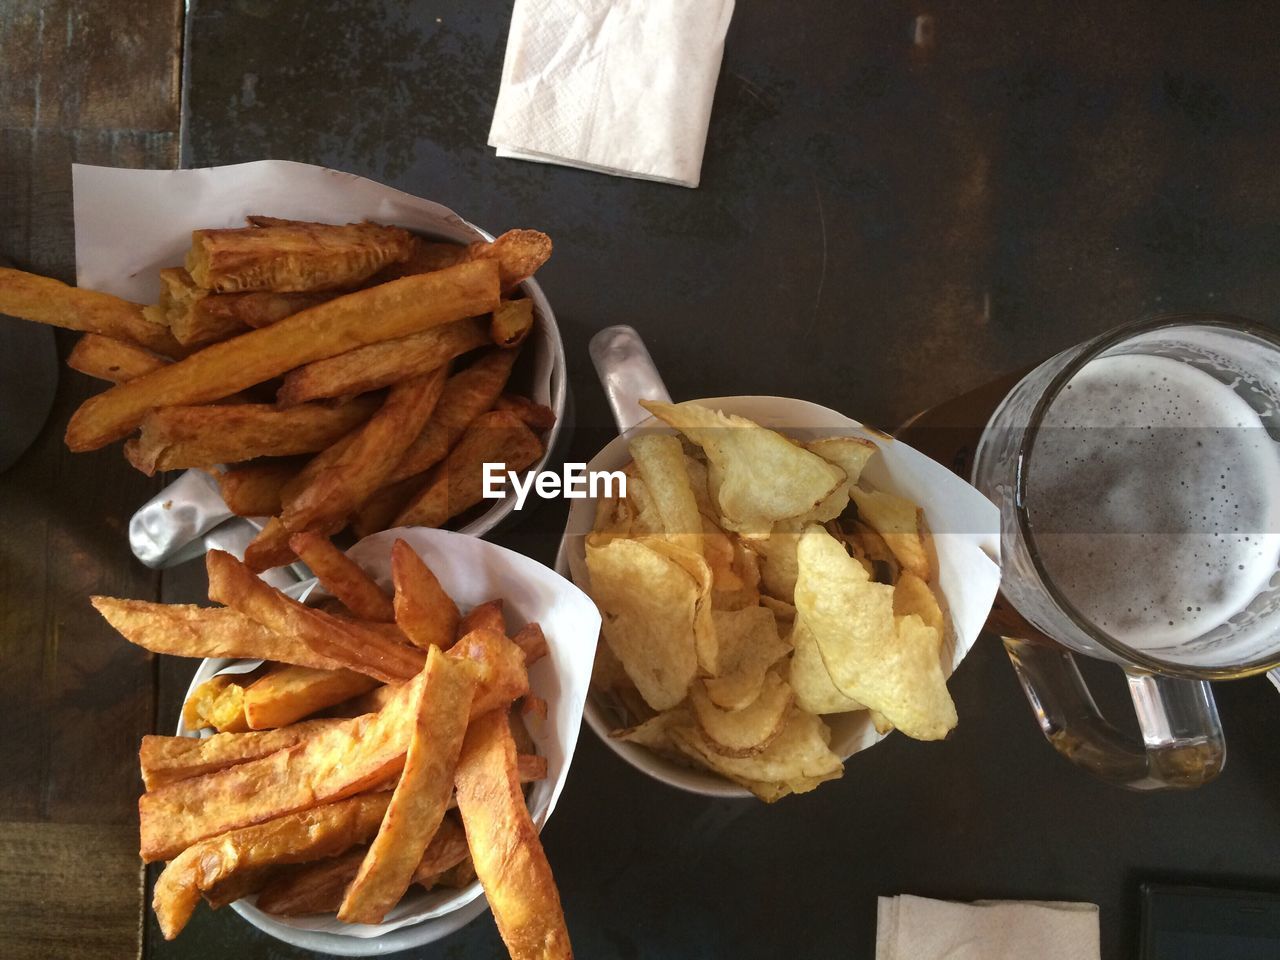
(380, 510)
(45, 300)
(343, 578)
(237, 886)
(185, 630)
(202, 702)
(352, 756)
(466, 395)
(333, 495)
(511, 323)
(423, 611)
(382, 364)
(270, 548)
(224, 712)
(387, 312)
(425, 257)
(531, 640)
(109, 359)
(484, 616)
(253, 490)
(256, 309)
(356, 645)
(422, 793)
(293, 838)
(183, 306)
(458, 482)
(539, 417)
(448, 848)
(175, 438)
(288, 693)
(293, 256)
(505, 848)
(518, 252)
(170, 759)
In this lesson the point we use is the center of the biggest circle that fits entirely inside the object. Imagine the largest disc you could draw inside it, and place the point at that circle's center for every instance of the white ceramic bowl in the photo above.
(471, 571)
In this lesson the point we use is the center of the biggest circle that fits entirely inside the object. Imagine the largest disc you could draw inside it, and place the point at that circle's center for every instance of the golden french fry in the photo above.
(505, 848)
(458, 482)
(334, 493)
(270, 548)
(518, 252)
(109, 359)
(386, 312)
(447, 849)
(293, 256)
(253, 490)
(203, 700)
(342, 760)
(257, 309)
(511, 323)
(532, 641)
(288, 693)
(175, 438)
(484, 616)
(169, 759)
(422, 793)
(466, 395)
(539, 417)
(380, 510)
(185, 630)
(357, 646)
(296, 837)
(424, 257)
(46, 300)
(423, 611)
(183, 306)
(343, 577)
(382, 364)
(310, 888)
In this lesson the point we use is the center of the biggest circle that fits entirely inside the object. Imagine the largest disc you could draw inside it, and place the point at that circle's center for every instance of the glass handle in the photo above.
(627, 374)
(1182, 745)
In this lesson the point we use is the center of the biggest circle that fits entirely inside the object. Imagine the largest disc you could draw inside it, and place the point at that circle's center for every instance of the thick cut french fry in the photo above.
(425, 257)
(109, 359)
(539, 417)
(288, 693)
(380, 510)
(185, 630)
(357, 645)
(343, 577)
(287, 256)
(46, 300)
(253, 490)
(386, 312)
(448, 848)
(382, 364)
(511, 323)
(354, 755)
(505, 848)
(423, 611)
(257, 309)
(466, 395)
(333, 495)
(458, 483)
(270, 548)
(293, 838)
(169, 759)
(183, 306)
(532, 641)
(222, 709)
(484, 616)
(518, 252)
(176, 438)
(422, 793)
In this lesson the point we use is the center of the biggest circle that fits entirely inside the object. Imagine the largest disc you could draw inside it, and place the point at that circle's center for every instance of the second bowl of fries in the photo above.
(351, 771)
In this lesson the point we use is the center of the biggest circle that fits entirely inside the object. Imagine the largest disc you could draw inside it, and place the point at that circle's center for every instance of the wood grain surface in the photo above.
(80, 82)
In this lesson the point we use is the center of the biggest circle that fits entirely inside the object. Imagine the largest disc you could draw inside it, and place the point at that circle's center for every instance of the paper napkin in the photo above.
(915, 928)
(616, 86)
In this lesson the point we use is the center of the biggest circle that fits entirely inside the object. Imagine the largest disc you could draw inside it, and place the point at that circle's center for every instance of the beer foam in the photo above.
(1153, 492)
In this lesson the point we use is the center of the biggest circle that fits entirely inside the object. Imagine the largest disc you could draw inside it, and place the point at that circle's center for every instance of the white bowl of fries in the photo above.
(775, 569)
(341, 355)
(317, 756)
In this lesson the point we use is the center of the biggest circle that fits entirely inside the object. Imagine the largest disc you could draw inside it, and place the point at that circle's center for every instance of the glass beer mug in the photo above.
(1138, 480)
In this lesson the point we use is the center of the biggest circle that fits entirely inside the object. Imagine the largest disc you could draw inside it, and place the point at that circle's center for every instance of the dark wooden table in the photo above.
(900, 202)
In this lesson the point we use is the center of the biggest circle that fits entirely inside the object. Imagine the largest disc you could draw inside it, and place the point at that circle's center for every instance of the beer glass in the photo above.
(1139, 393)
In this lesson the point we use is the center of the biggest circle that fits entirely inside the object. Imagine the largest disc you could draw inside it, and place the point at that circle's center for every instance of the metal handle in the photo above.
(627, 374)
(168, 529)
(1182, 743)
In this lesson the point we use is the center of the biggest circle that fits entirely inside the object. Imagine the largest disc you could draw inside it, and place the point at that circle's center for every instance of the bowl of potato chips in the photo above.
(780, 589)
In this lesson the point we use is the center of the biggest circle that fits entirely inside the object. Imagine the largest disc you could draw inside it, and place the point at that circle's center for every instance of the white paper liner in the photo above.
(966, 534)
(471, 571)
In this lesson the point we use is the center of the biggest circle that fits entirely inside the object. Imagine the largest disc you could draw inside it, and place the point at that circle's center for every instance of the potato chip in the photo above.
(649, 603)
(913, 595)
(850, 454)
(796, 761)
(659, 459)
(891, 667)
(645, 519)
(897, 520)
(655, 733)
(704, 631)
(809, 678)
(699, 483)
(765, 477)
(749, 646)
(777, 553)
(745, 732)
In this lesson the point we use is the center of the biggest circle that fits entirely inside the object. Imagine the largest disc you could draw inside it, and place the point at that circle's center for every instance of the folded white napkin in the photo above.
(616, 86)
(915, 928)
